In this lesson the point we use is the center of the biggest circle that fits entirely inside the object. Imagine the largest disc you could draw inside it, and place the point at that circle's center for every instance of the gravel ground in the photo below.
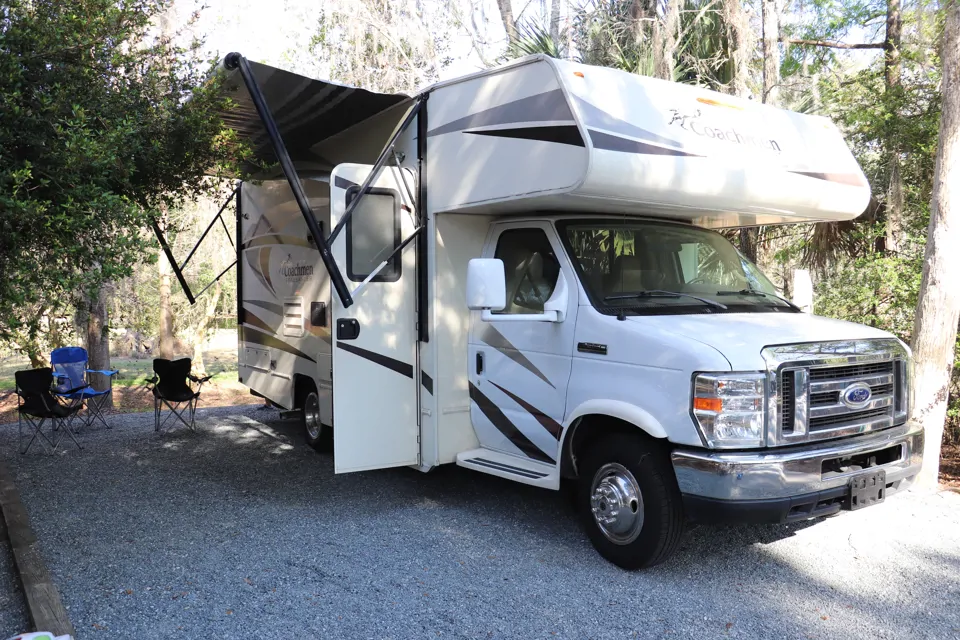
(241, 531)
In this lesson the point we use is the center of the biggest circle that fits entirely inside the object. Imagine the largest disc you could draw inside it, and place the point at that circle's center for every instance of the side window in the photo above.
(531, 269)
(373, 233)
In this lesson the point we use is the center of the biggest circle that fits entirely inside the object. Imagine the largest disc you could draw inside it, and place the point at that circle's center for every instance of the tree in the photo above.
(103, 123)
(935, 333)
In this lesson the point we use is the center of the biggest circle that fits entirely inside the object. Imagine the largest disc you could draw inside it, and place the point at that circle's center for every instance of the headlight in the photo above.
(729, 409)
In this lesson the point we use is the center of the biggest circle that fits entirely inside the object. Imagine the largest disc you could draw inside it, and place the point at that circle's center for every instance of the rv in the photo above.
(519, 272)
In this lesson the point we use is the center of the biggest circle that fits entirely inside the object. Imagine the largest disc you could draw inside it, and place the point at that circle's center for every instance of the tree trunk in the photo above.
(748, 243)
(935, 330)
(891, 74)
(771, 51)
(98, 340)
(200, 333)
(738, 36)
(166, 346)
(506, 14)
(32, 345)
(666, 45)
(555, 20)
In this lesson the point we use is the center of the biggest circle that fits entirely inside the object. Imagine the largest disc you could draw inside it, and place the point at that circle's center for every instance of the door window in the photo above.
(531, 269)
(373, 233)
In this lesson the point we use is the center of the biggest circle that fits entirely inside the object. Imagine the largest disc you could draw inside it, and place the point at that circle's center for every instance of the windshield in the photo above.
(634, 266)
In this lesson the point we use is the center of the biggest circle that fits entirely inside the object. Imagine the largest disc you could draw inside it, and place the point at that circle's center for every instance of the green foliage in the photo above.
(105, 123)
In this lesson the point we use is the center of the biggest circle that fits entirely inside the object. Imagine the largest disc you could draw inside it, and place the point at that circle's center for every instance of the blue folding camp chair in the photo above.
(73, 386)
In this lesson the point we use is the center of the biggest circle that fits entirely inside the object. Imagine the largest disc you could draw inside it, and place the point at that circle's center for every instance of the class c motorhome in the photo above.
(518, 272)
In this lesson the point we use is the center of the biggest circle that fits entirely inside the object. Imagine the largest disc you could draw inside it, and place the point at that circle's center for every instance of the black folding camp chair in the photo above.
(171, 387)
(36, 405)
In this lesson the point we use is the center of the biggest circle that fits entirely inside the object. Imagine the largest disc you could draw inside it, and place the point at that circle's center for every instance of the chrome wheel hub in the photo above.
(311, 415)
(616, 503)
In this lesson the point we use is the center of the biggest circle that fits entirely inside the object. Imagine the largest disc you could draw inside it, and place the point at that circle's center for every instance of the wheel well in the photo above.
(587, 430)
(302, 385)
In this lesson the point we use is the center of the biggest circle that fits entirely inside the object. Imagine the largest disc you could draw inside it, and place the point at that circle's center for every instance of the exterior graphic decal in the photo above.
(497, 340)
(599, 119)
(402, 368)
(550, 106)
(252, 319)
(264, 263)
(258, 337)
(548, 423)
(843, 178)
(253, 260)
(274, 239)
(343, 183)
(507, 428)
(561, 134)
(426, 381)
(272, 307)
(609, 142)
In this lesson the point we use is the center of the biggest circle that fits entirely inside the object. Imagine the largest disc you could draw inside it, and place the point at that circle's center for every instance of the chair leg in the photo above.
(37, 433)
(95, 410)
(65, 430)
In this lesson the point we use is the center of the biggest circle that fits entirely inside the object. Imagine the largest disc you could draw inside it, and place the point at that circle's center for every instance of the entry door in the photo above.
(375, 401)
(519, 370)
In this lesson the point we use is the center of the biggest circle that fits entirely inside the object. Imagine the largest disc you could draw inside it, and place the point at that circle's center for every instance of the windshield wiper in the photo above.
(756, 292)
(660, 293)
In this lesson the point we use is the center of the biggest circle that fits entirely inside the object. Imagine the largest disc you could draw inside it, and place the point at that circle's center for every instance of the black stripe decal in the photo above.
(426, 381)
(505, 467)
(851, 179)
(252, 319)
(560, 134)
(402, 368)
(548, 423)
(258, 337)
(343, 183)
(609, 142)
(549, 106)
(499, 342)
(507, 428)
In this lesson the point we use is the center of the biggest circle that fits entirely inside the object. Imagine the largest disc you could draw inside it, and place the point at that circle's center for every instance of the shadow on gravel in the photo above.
(242, 530)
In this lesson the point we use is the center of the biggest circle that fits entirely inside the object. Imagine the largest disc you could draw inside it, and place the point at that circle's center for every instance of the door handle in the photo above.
(479, 362)
(347, 329)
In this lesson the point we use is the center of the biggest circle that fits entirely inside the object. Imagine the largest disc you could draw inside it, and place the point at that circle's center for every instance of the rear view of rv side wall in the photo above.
(284, 294)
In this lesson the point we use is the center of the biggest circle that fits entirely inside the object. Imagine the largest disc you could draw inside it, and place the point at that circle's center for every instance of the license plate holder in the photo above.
(867, 489)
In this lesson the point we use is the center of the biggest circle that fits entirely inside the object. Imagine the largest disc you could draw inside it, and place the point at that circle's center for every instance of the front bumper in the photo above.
(789, 484)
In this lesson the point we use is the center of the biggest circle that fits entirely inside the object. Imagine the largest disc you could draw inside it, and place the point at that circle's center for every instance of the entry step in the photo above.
(511, 467)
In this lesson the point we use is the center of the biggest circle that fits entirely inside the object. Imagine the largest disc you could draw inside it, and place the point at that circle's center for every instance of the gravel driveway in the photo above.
(241, 531)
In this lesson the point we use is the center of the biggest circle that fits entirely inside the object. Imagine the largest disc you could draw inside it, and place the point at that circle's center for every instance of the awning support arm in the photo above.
(211, 283)
(377, 167)
(237, 61)
(210, 226)
(173, 262)
(400, 247)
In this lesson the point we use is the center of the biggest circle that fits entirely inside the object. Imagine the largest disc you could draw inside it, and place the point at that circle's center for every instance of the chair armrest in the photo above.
(199, 380)
(106, 372)
(67, 392)
(153, 380)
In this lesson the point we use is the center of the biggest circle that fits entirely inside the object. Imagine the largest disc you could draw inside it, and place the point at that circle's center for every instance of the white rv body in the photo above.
(513, 166)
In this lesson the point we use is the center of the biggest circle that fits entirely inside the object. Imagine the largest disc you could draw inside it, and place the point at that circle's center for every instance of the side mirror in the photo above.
(554, 309)
(486, 285)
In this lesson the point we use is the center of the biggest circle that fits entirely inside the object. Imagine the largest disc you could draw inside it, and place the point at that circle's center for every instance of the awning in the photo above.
(307, 111)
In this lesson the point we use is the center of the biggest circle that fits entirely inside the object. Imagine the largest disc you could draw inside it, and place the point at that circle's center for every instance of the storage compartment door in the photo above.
(375, 368)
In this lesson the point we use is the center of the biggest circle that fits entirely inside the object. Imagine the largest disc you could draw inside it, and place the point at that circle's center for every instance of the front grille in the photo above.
(851, 371)
(815, 409)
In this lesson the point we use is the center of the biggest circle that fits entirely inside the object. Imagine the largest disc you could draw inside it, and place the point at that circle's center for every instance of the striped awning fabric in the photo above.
(307, 111)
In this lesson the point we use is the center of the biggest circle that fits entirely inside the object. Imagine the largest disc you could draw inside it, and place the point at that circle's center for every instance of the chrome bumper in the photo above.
(794, 471)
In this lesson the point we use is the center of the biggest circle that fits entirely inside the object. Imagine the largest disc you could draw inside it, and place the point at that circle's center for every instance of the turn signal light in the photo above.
(708, 404)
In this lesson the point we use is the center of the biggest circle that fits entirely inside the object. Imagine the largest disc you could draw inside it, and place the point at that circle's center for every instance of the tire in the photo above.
(623, 475)
(318, 435)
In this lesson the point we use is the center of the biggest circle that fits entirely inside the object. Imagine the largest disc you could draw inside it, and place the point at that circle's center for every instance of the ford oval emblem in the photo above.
(856, 395)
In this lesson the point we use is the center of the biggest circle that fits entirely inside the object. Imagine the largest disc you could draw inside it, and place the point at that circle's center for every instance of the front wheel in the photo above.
(318, 435)
(629, 501)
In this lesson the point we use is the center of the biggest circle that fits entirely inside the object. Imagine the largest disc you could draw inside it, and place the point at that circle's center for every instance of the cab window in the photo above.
(531, 269)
